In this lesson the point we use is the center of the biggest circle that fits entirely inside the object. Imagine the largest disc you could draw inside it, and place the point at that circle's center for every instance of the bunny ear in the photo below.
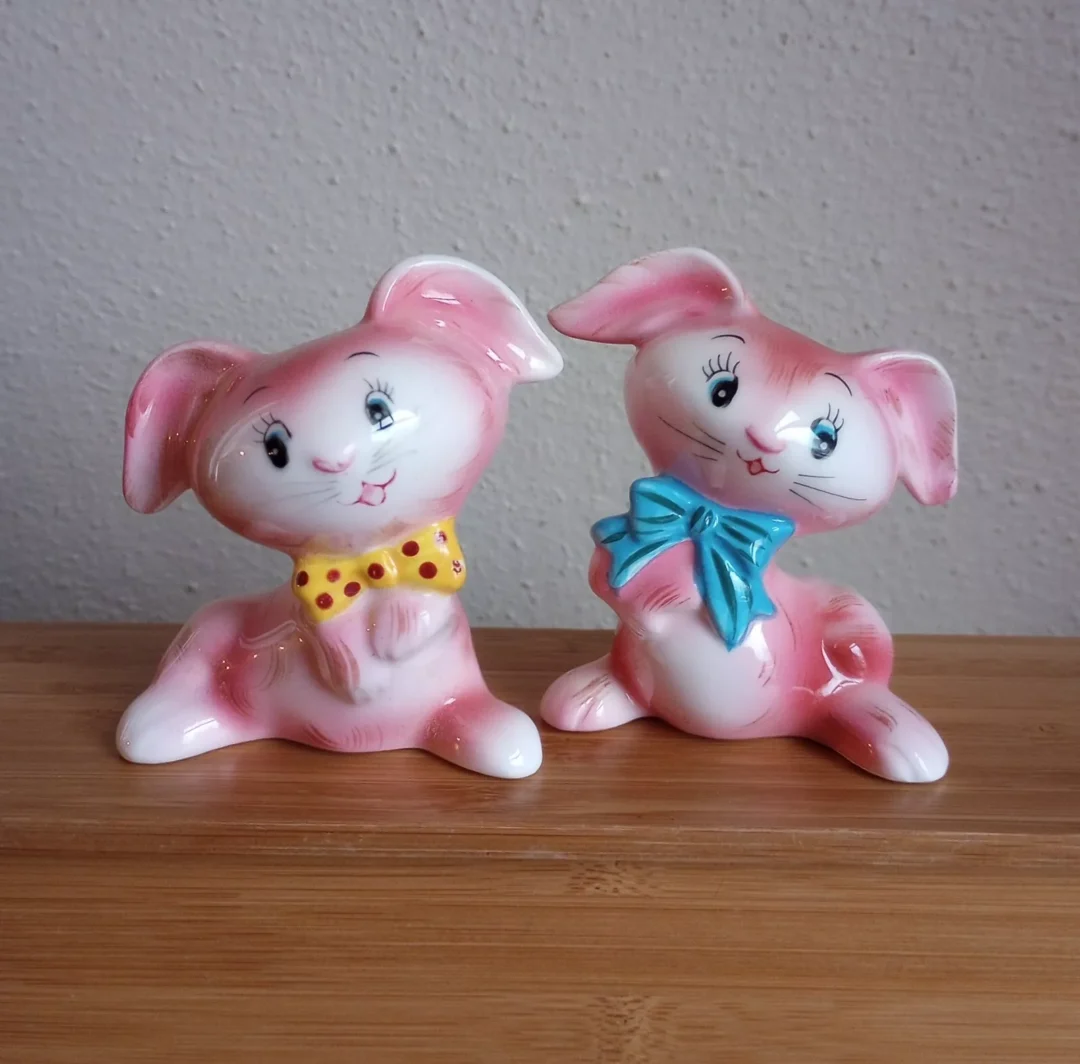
(161, 418)
(470, 304)
(651, 295)
(918, 401)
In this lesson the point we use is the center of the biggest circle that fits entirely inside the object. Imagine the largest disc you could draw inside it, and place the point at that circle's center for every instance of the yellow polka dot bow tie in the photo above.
(430, 559)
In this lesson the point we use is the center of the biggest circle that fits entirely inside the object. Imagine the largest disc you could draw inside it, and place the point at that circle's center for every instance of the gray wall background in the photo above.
(900, 172)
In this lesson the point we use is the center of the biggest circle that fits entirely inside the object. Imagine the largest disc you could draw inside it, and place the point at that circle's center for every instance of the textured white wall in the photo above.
(899, 172)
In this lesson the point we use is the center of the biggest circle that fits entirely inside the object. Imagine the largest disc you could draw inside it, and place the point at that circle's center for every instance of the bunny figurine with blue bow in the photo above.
(756, 434)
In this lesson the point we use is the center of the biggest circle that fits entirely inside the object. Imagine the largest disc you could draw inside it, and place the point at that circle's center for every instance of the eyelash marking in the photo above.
(266, 423)
(381, 387)
(710, 371)
(834, 419)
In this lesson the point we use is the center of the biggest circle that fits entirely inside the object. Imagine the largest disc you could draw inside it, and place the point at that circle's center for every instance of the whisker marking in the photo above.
(715, 439)
(850, 498)
(805, 499)
(692, 439)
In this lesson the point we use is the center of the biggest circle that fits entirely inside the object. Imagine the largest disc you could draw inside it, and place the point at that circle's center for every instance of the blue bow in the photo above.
(731, 548)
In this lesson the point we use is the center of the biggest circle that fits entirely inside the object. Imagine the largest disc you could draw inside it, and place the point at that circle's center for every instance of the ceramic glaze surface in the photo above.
(351, 454)
(756, 432)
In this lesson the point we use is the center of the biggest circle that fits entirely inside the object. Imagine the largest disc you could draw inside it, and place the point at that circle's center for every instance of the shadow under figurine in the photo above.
(756, 434)
(352, 454)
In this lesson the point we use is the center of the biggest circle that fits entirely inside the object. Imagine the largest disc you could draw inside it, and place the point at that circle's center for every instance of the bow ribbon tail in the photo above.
(731, 592)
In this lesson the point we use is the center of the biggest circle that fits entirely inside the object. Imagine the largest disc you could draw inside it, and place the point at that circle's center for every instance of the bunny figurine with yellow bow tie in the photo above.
(352, 455)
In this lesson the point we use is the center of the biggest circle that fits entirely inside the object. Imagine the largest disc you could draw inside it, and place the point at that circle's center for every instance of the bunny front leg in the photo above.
(598, 696)
(355, 653)
(663, 588)
(402, 623)
(341, 660)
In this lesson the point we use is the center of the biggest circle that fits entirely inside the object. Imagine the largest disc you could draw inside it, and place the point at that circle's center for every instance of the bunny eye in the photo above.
(377, 406)
(273, 434)
(721, 380)
(276, 449)
(826, 432)
(722, 389)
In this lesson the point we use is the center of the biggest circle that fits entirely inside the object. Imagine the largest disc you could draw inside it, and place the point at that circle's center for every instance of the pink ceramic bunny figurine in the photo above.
(757, 434)
(352, 454)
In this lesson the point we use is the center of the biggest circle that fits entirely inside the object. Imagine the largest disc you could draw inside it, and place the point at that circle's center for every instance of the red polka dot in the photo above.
(333, 576)
(376, 571)
(411, 548)
(351, 588)
(301, 578)
(324, 601)
(457, 565)
(428, 570)
(440, 537)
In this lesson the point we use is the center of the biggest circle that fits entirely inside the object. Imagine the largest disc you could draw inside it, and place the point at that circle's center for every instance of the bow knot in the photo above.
(701, 521)
(732, 548)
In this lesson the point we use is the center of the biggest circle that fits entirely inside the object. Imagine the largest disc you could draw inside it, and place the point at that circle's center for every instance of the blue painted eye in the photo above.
(825, 439)
(722, 388)
(378, 410)
(276, 448)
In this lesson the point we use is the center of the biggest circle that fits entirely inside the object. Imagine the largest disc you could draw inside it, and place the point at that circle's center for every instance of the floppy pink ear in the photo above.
(161, 417)
(651, 295)
(471, 305)
(917, 399)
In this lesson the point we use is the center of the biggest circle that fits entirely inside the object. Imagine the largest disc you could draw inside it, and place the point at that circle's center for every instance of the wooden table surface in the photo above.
(648, 896)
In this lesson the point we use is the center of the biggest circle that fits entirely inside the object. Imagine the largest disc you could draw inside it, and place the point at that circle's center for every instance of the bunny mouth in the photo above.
(374, 494)
(756, 466)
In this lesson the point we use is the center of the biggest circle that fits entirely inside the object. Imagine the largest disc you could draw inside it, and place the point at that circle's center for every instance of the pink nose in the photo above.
(330, 467)
(764, 440)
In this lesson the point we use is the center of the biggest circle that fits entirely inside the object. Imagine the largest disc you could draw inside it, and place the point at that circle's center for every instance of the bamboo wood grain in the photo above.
(648, 896)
